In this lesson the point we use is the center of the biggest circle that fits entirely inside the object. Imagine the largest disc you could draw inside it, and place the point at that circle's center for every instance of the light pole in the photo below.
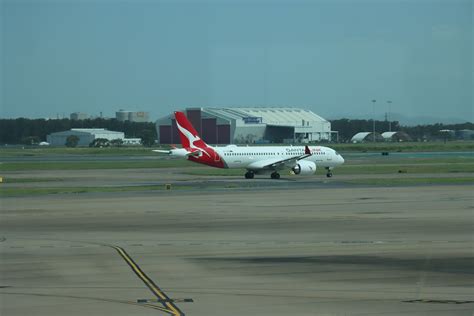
(389, 119)
(373, 120)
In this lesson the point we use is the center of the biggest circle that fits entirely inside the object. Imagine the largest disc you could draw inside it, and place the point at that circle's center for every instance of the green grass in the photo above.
(411, 181)
(45, 151)
(405, 147)
(15, 192)
(85, 165)
(405, 168)
(18, 192)
(29, 180)
(405, 161)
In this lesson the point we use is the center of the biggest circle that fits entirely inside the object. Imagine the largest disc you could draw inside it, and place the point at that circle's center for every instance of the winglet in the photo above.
(306, 150)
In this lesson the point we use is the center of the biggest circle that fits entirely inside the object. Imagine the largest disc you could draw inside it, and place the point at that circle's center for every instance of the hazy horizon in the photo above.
(332, 57)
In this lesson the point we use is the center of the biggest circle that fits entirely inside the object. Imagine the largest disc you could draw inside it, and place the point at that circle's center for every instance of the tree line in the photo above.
(32, 131)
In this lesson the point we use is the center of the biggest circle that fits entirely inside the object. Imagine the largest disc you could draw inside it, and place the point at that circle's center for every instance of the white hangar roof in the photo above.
(388, 134)
(360, 136)
(95, 131)
(269, 115)
(88, 131)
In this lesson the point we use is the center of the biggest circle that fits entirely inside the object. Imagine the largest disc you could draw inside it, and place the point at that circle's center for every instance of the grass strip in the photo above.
(13, 192)
(406, 146)
(406, 168)
(29, 180)
(19, 192)
(46, 151)
(87, 165)
(411, 181)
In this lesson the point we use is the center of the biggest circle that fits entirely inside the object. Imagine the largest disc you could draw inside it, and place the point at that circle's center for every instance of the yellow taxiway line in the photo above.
(170, 307)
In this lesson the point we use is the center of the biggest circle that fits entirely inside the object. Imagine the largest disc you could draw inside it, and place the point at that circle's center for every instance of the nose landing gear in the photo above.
(249, 175)
(329, 173)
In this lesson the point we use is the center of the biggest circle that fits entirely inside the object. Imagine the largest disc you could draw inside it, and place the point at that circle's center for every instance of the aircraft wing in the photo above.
(162, 151)
(277, 163)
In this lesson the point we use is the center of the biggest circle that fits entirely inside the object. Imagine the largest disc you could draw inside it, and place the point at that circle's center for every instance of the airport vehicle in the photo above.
(299, 160)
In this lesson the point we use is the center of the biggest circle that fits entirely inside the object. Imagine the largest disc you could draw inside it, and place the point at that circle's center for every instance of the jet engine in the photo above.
(304, 168)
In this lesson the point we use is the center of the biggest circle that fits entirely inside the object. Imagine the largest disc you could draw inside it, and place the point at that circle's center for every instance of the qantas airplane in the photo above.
(299, 160)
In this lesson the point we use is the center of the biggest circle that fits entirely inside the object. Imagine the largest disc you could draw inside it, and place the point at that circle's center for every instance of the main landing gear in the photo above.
(251, 174)
(329, 173)
(275, 175)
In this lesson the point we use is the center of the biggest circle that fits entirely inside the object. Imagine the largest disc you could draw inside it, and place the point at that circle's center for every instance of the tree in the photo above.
(30, 140)
(148, 137)
(116, 142)
(72, 141)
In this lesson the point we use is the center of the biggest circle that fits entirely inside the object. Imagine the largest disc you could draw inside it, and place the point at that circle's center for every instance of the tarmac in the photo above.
(307, 247)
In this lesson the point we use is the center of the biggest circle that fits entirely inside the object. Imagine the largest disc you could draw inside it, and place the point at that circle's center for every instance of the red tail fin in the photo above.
(187, 133)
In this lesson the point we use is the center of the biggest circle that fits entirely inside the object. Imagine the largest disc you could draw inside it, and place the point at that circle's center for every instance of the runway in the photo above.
(316, 250)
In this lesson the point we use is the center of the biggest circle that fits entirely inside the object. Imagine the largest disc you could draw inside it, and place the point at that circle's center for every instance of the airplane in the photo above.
(299, 160)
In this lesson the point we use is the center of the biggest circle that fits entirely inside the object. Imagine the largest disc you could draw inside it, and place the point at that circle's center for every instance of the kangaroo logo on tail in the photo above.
(189, 136)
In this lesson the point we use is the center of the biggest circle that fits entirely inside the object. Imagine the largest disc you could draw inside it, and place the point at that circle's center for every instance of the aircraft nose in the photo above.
(341, 159)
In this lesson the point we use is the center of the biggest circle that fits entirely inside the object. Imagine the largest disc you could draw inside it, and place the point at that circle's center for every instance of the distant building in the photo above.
(366, 137)
(132, 116)
(122, 115)
(85, 135)
(76, 116)
(465, 134)
(396, 137)
(249, 125)
(132, 141)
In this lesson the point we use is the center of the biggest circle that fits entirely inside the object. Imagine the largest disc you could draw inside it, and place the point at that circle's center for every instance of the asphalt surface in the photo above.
(178, 177)
(295, 249)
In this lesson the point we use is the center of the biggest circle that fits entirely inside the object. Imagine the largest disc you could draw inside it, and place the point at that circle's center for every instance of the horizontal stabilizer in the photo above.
(162, 151)
(180, 152)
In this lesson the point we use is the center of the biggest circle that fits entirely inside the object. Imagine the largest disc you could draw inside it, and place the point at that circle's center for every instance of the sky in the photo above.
(332, 57)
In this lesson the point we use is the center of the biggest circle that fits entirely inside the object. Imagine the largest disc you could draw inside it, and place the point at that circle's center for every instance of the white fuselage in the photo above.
(242, 157)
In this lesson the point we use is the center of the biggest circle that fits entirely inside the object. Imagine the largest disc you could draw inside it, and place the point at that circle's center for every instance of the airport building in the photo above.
(132, 116)
(85, 135)
(396, 137)
(245, 125)
(362, 137)
(386, 136)
(465, 134)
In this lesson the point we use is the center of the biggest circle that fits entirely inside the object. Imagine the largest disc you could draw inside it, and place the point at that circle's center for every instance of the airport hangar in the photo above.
(88, 135)
(249, 125)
